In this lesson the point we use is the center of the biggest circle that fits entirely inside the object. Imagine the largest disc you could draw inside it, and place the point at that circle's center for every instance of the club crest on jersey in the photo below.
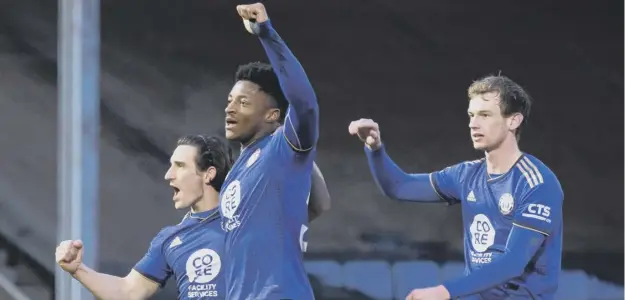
(202, 268)
(230, 201)
(253, 158)
(506, 203)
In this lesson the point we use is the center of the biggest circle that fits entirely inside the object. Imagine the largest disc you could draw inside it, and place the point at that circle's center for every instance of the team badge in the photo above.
(253, 158)
(506, 203)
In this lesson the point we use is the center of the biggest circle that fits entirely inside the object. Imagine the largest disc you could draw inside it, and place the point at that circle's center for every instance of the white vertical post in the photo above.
(78, 134)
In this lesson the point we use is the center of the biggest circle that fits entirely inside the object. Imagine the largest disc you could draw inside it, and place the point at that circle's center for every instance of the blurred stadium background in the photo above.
(167, 68)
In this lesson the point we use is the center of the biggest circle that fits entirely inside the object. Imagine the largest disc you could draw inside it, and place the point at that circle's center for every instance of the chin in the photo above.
(234, 136)
(479, 147)
(180, 205)
(230, 135)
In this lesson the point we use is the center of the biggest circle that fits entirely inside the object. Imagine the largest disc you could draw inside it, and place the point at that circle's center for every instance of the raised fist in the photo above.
(69, 255)
(252, 13)
(367, 131)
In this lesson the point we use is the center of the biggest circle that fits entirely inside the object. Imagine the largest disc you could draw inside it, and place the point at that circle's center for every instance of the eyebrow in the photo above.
(479, 111)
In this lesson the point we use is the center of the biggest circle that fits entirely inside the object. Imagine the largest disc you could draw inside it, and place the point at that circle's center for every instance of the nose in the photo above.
(230, 107)
(169, 175)
(473, 123)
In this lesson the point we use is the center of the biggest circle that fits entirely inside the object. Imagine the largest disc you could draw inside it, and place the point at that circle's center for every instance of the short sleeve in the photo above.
(154, 265)
(541, 208)
(446, 182)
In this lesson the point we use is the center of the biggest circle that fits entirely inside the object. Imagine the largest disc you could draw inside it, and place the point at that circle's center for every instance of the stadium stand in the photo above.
(163, 78)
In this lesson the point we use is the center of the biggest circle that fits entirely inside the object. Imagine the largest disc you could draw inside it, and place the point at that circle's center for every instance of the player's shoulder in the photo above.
(166, 232)
(476, 163)
(162, 237)
(534, 174)
(276, 139)
(281, 144)
(170, 231)
(468, 167)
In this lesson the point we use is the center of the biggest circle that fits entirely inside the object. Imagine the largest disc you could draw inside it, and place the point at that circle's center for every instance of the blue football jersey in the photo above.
(529, 196)
(192, 252)
(265, 217)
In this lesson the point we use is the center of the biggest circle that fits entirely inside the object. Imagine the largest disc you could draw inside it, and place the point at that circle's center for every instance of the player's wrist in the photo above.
(444, 292)
(264, 28)
(451, 287)
(374, 148)
(80, 271)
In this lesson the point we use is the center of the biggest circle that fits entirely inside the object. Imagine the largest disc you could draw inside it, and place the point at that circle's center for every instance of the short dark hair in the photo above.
(513, 98)
(212, 151)
(264, 76)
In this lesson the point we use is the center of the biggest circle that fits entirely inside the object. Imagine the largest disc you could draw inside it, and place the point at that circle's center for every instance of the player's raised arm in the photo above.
(392, 181)
(301, 122)
(320, 200)
(103, 286)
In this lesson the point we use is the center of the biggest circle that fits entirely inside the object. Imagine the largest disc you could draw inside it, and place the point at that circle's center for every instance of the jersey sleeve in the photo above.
(446, 182)
(153, 265)
(397, 184)
(521, 246)
(285, 151)
(301, 124)
(540, 209)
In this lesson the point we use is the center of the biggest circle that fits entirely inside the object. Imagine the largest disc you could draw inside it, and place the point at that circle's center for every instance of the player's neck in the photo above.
(267, 130)
(209, 201)
(500, 160)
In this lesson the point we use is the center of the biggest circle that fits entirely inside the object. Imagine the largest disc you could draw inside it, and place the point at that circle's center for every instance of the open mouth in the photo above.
(230, 122)
(477, 135)
(176, 190)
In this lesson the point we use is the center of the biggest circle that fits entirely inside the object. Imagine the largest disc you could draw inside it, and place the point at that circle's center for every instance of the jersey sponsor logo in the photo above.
(471, 197)
(506, 203)
(538, 212)
(253, 158)
(480, 258)
(202, 267)
(482, 233)
(230, 201)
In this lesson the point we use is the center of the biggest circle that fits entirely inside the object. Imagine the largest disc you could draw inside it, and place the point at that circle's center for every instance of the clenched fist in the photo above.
(367, 131)
(252, 13)
(69, 255)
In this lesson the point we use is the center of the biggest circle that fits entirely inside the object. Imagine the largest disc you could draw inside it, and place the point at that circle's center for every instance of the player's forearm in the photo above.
(397, 184)
(320, 200)
(103, 286)
(301, 125)
(521, 247)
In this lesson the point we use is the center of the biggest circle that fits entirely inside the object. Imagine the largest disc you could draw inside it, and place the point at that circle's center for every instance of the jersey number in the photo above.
(303, 243)
(303, 239)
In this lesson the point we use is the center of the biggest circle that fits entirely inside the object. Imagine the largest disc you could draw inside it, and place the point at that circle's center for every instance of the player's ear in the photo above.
(514, 121)
(273, 115)
(210, 174)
